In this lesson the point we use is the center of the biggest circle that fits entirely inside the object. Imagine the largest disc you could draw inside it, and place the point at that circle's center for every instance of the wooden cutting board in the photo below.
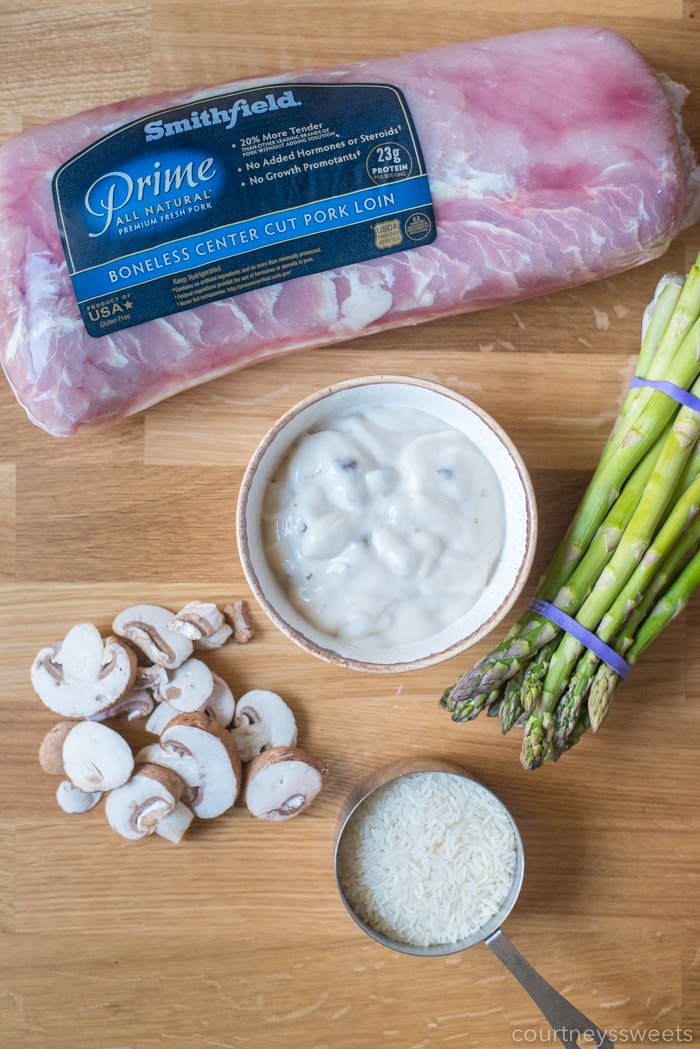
(236, 939)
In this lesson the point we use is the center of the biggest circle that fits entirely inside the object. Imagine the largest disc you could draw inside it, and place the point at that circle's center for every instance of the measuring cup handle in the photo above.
(569, 1024)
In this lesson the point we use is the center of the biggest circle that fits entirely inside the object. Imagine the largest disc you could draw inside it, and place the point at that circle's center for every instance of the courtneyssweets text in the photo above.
(619, 1035)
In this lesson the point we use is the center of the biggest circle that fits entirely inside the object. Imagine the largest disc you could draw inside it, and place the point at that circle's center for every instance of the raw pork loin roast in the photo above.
(552, 157)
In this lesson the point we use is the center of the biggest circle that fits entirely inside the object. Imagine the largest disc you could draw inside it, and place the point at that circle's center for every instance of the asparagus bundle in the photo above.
(628, 563)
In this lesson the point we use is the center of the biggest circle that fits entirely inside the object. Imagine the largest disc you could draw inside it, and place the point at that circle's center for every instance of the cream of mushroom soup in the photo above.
(383, 524)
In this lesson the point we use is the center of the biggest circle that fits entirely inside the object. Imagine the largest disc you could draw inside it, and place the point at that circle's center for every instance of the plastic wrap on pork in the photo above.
(554, 158)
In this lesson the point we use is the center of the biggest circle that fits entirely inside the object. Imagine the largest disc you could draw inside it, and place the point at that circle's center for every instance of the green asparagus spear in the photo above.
(676, 361)
(666, 608)
(628, 562)
(670, 605)
(568, 710)
(503, 662)
(633, 546)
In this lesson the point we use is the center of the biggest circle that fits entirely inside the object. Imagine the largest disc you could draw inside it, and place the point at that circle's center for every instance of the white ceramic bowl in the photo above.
(507, 579)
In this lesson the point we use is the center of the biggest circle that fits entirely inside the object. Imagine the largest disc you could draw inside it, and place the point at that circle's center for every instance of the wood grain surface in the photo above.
(236, 939)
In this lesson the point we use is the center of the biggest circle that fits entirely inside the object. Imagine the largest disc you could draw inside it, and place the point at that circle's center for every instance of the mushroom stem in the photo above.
(176, 823)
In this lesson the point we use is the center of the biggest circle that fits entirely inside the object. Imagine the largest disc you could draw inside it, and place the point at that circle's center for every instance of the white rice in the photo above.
(427, 859)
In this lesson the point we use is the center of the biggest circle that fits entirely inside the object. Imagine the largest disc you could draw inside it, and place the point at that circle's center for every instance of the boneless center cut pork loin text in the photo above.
(553, 158)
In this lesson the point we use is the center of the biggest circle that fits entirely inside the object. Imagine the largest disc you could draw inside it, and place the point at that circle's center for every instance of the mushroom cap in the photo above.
(147, 627)
(262, 720)
(281, 783)
(83, 675)
(51, 748)
(204, 755)
(96, 757)
(135, 809)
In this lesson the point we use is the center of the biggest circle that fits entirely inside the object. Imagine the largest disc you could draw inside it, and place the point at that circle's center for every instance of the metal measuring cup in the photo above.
(568, 1022)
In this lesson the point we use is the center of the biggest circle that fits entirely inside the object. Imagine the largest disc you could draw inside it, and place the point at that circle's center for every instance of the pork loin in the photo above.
(553, 158)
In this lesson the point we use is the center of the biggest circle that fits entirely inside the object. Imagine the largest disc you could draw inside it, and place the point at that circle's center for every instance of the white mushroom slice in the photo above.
(146, 626)
(262, 720)
(162, 714)
(153, 753)
(96, 757)
(74, 800)
(83, 674)
(51, 748)
(238, 618)
(198, 619)
(204, 755)
(138, 703)
(189, 686)
(215, 640)
(176, 823)
(135, 809)
(221, 705)
(281, 783)
(150, 677)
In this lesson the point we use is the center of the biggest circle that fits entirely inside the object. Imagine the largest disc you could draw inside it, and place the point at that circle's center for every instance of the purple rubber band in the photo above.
(582, 634)
(684, 397)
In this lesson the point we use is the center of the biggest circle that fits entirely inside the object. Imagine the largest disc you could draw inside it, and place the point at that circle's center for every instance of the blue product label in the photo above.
(238, 191)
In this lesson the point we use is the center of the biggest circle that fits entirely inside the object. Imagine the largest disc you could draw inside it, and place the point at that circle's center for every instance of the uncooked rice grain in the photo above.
(427, 859)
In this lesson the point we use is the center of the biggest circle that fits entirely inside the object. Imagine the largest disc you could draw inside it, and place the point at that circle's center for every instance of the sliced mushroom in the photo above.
(138, 703)
(262, 720)
(189, 686)
(162, 714)
(154, 754)
(96, 757)
(215, 640)
(197, 619)
(135, 809)
(204, 755)
(51, 748)
(83, 675)
(146, 626)
(281, 783)
(238, 618)
(74, 800)
(151, 677)
(221, 705)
